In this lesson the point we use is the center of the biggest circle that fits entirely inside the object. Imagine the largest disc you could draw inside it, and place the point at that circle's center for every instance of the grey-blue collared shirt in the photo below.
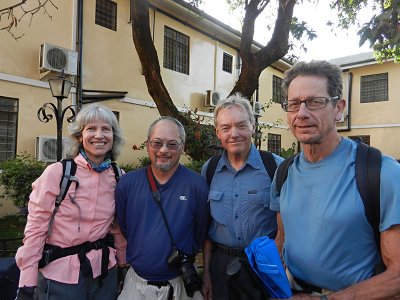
(239, 201)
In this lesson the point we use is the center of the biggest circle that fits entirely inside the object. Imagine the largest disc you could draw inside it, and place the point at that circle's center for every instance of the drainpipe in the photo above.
(79, 49)
(349, 95)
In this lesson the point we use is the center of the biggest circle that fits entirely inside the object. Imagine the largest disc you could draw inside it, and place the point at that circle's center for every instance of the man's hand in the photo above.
(25, 293)
(206, 290)
(121, 271)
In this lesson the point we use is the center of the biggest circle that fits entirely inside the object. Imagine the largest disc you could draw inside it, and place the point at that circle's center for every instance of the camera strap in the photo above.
(157, 198)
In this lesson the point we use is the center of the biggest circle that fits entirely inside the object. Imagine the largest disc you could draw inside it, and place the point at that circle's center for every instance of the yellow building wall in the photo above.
(379, 120)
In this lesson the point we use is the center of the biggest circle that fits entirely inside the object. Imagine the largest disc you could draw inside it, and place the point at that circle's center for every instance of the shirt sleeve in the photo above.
(40, 206)
(389, 193)
(201, 221)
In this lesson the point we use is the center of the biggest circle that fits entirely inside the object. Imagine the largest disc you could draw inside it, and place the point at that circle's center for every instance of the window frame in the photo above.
(11, 110)
(227, 62)
(374, 88)
(106, 14)
(274, 143)
(179, 44)
(277, 89)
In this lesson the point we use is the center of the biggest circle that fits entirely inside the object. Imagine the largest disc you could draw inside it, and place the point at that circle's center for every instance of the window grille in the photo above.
(106, 14)
(8, 127)
(176, 51)
(277, 89)
(274, 143)
(374, 88)
(227, 62)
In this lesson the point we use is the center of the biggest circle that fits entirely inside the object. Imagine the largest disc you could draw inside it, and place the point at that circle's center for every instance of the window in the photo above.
(176, 51)
(116, 113)
(8, 127)
(277, 89)
(274, 143)
(374, 88)
(106, 14)
(364, 138)
(227, 62)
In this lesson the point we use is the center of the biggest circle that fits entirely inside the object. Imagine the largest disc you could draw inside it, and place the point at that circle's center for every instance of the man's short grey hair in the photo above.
(318, 68)
(235, 100)
(89, 114)
(181, 129)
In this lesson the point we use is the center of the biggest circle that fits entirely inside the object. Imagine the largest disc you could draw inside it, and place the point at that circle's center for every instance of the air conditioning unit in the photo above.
(212, 98)
(257, 110)
(46, 148)
(54, 58)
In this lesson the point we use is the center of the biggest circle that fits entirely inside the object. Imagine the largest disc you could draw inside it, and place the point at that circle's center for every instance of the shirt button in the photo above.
(239, 238)
(236, 217)
(236, 195)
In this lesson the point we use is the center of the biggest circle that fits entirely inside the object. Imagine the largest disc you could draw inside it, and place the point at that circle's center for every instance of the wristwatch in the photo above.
(323, 297)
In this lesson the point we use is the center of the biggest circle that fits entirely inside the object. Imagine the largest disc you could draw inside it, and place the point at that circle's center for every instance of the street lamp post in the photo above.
(258, 133)
(60, 88)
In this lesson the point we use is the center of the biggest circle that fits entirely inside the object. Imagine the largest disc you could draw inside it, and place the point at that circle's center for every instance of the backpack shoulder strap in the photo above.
(368, 178)
(117, 171)
(212, 165)
(69, 170)
(269, 162)
(282, 172)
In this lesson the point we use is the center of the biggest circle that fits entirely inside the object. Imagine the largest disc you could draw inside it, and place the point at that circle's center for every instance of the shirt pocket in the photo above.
(259, 196)
(217, 206)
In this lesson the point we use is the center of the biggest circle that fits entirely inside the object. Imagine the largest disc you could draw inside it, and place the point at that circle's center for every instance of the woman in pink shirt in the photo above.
(87, 269)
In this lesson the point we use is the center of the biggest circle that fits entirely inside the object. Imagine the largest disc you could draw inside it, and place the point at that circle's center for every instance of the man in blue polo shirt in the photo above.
(239, 199)
(154, 240)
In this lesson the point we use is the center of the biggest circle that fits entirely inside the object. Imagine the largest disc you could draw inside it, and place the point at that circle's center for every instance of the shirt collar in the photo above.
(253, 160)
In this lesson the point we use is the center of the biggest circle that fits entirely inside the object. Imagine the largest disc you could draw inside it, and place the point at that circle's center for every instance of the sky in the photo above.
(327, 45)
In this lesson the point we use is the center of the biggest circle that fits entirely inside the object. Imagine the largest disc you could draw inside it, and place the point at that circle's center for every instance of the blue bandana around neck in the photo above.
(98, 168)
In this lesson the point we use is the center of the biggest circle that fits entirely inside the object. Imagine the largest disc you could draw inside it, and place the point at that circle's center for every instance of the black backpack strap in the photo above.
(368, 177)
(117, 171)
(282, 172)
(269, 162)
(69, 170)
(212, 165)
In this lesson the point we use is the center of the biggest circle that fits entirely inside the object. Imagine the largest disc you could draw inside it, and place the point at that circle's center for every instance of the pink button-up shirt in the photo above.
(87, 215)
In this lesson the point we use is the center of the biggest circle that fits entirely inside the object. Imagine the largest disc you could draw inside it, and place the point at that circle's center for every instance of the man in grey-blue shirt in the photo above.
(239, 196)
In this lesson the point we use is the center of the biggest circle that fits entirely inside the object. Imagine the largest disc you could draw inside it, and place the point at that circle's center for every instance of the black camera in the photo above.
(190, 277)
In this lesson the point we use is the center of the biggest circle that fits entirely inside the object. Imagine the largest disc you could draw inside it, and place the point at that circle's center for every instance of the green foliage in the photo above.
(200, 137)
(143, 162)
(195, 165)
(17, 175)
(285, 153)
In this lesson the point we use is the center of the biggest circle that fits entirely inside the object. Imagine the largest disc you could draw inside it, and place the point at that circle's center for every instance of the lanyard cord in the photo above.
(157, 198)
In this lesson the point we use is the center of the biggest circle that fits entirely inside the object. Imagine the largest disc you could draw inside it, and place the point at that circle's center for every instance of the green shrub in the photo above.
(17, 175)
(195, 165)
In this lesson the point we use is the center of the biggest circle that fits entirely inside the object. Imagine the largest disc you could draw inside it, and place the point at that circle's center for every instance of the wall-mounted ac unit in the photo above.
(257, 110)
(212, 98)
(46, 148)
(54, 58)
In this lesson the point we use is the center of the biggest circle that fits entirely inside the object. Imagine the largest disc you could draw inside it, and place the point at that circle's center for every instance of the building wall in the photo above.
(379, 120)
(110, 63)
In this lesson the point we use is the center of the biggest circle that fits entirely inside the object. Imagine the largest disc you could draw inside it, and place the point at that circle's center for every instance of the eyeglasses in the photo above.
(171, 145)
(312, 103)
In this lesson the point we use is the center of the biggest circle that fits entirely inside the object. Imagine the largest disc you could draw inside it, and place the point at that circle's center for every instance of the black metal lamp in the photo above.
(60, 89)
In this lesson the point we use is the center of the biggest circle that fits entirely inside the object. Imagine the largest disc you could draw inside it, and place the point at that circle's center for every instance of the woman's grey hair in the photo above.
(178, 124)
(319, 68)
(91, 113)
(235, 100)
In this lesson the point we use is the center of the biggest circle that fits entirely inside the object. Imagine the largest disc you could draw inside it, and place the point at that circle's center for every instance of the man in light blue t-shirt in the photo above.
(326, 241)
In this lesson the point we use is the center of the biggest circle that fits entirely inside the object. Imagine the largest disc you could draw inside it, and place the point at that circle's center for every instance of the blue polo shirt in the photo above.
(184, 200)
(239, 201)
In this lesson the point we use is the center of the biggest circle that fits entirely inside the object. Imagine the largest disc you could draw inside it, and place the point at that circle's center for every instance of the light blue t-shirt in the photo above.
(239, 201)
(328, 240)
